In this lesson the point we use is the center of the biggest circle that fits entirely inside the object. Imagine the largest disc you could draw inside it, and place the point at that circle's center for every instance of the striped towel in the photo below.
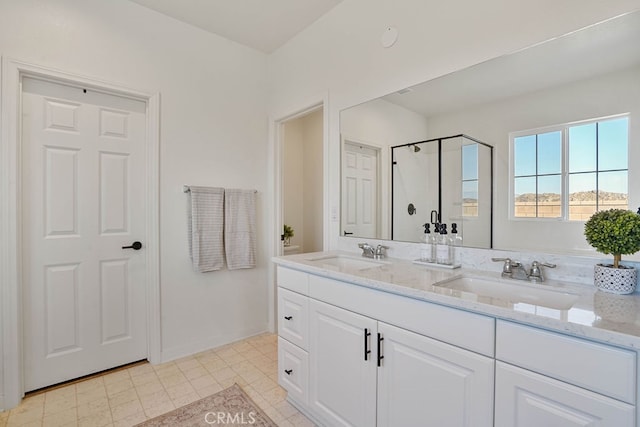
(206, 228)
(240, 228)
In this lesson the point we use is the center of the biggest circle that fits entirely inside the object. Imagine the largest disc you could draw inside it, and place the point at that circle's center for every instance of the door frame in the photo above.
(11, 284)
(276, 143)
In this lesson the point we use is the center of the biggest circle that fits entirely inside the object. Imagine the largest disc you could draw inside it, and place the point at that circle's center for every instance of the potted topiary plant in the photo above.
(288, 234)
(615, 232)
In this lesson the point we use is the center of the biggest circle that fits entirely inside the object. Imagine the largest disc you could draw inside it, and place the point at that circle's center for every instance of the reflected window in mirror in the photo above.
(470, 180)
(589, 159)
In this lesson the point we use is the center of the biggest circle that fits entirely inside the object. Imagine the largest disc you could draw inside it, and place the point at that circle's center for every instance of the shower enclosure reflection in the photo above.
(442, 180)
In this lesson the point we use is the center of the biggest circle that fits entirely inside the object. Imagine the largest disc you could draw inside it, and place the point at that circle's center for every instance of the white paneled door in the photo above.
(359, 190)
(83, 186)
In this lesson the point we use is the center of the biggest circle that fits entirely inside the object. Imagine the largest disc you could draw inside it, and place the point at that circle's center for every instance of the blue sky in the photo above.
(612, 154)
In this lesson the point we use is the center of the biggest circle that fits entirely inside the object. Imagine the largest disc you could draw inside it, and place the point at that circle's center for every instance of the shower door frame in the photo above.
(439, 140)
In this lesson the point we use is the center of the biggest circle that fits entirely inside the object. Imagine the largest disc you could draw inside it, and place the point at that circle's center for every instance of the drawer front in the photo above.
(293, 317)
(293, 371)
(472, 331)
(294, 280)
(607, 370)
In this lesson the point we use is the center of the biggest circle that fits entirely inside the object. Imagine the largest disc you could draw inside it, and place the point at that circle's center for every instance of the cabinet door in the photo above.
(342, 384)
(527, 399)
(425, 382)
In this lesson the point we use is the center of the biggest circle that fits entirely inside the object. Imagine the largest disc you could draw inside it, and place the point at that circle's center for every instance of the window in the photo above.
(570, 171)
(470, 180)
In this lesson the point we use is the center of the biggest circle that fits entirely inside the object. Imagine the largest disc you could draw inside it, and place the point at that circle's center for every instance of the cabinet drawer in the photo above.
(293, 370)
(607, 370)
(293, 317)
(294, 280)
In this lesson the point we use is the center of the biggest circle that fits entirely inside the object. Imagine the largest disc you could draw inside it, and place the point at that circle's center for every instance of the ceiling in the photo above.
(264, 25)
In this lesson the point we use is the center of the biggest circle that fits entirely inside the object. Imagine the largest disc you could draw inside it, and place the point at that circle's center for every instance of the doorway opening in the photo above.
(302, 183)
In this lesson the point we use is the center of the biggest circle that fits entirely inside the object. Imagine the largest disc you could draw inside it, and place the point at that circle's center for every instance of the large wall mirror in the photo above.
(555, 126)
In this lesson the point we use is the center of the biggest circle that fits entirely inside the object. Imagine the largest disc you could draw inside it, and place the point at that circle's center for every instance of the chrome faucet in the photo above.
(367, 250)
(371, 252)
(516, 270)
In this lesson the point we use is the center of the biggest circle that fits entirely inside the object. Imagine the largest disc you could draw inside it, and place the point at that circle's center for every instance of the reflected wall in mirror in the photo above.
(588, 76)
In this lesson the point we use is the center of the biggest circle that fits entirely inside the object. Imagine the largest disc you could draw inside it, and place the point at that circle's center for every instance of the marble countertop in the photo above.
(604, 317)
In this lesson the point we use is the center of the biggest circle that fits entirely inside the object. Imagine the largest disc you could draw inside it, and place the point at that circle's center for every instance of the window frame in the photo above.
(564, 163)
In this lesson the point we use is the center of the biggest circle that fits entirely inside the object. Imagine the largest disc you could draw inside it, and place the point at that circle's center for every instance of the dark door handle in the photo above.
(288, 317)
(367, 334)
(380, 356)
(288, 371)
(136, 246)
(346, 233)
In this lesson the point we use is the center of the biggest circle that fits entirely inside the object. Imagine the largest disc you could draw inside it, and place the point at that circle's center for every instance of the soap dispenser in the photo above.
(443, 247)
(456, 242)
(427, 252)
(455, 235)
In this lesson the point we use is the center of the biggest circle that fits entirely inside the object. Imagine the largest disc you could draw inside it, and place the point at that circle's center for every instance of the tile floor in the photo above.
(132, 395)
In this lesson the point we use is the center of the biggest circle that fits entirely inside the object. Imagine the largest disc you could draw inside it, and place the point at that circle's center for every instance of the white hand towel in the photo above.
(206, 228)
(240, 228)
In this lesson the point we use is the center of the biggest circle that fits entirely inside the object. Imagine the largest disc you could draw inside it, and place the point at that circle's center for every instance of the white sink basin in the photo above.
(345, 262)
(507, 293)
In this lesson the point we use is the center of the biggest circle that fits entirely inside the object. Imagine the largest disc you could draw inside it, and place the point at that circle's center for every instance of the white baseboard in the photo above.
(174, 353)
(301, 408)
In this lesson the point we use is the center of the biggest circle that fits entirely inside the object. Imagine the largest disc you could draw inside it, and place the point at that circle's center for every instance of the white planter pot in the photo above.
(621, 280)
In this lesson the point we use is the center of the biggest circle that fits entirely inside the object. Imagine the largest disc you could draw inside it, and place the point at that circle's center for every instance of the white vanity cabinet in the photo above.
(364, 371)
(549, 379)
(351, 355)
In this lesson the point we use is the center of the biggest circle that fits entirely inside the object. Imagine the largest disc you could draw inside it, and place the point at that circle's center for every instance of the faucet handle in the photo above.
(508, 265)
(535, 273)
(381, 251)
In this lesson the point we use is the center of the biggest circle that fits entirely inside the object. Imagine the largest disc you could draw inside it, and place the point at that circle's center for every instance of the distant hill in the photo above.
(580, 196)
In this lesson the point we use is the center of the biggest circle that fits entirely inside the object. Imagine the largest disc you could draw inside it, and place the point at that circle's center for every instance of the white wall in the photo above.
(341, 52)
(213, 132)
(615, 93)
